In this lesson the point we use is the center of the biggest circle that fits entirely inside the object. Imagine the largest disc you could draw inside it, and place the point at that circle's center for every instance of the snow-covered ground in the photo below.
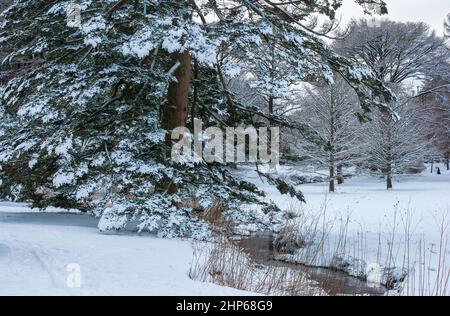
(40, 254)
(379, 218)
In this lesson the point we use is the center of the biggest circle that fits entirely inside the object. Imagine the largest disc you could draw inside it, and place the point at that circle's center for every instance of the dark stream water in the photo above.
(333, 282)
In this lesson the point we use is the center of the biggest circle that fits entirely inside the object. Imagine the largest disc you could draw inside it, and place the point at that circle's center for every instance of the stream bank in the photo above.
(332, 281)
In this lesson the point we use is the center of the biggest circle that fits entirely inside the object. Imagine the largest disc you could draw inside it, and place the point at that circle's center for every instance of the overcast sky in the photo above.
(432, 12)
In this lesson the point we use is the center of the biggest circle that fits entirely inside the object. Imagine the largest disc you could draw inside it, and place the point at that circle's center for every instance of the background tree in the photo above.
(330, 109)
(398, 145)
(447, 26)
(435, 98)
(395, 52)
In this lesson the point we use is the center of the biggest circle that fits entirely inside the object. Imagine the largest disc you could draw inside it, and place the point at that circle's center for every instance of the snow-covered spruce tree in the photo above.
(330, 109)
(395, 52)
(87, 126)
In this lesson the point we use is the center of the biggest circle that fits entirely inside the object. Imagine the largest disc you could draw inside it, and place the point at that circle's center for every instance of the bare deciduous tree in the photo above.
(330, 109)
(447, 26)
(436, 99)
(393, 147)
(395, 52)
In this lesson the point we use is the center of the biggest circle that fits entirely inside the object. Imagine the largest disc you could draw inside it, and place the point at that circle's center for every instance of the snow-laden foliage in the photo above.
(81, 110)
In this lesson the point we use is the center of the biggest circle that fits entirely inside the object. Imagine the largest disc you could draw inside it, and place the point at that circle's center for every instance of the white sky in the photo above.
(432, 12)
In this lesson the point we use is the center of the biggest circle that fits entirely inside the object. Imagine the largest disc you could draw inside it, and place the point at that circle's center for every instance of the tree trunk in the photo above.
(447, 160)
(175, 111)
(388, 159)
(332, 179)
(389, 184)
(432, 166)
(340, 176)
